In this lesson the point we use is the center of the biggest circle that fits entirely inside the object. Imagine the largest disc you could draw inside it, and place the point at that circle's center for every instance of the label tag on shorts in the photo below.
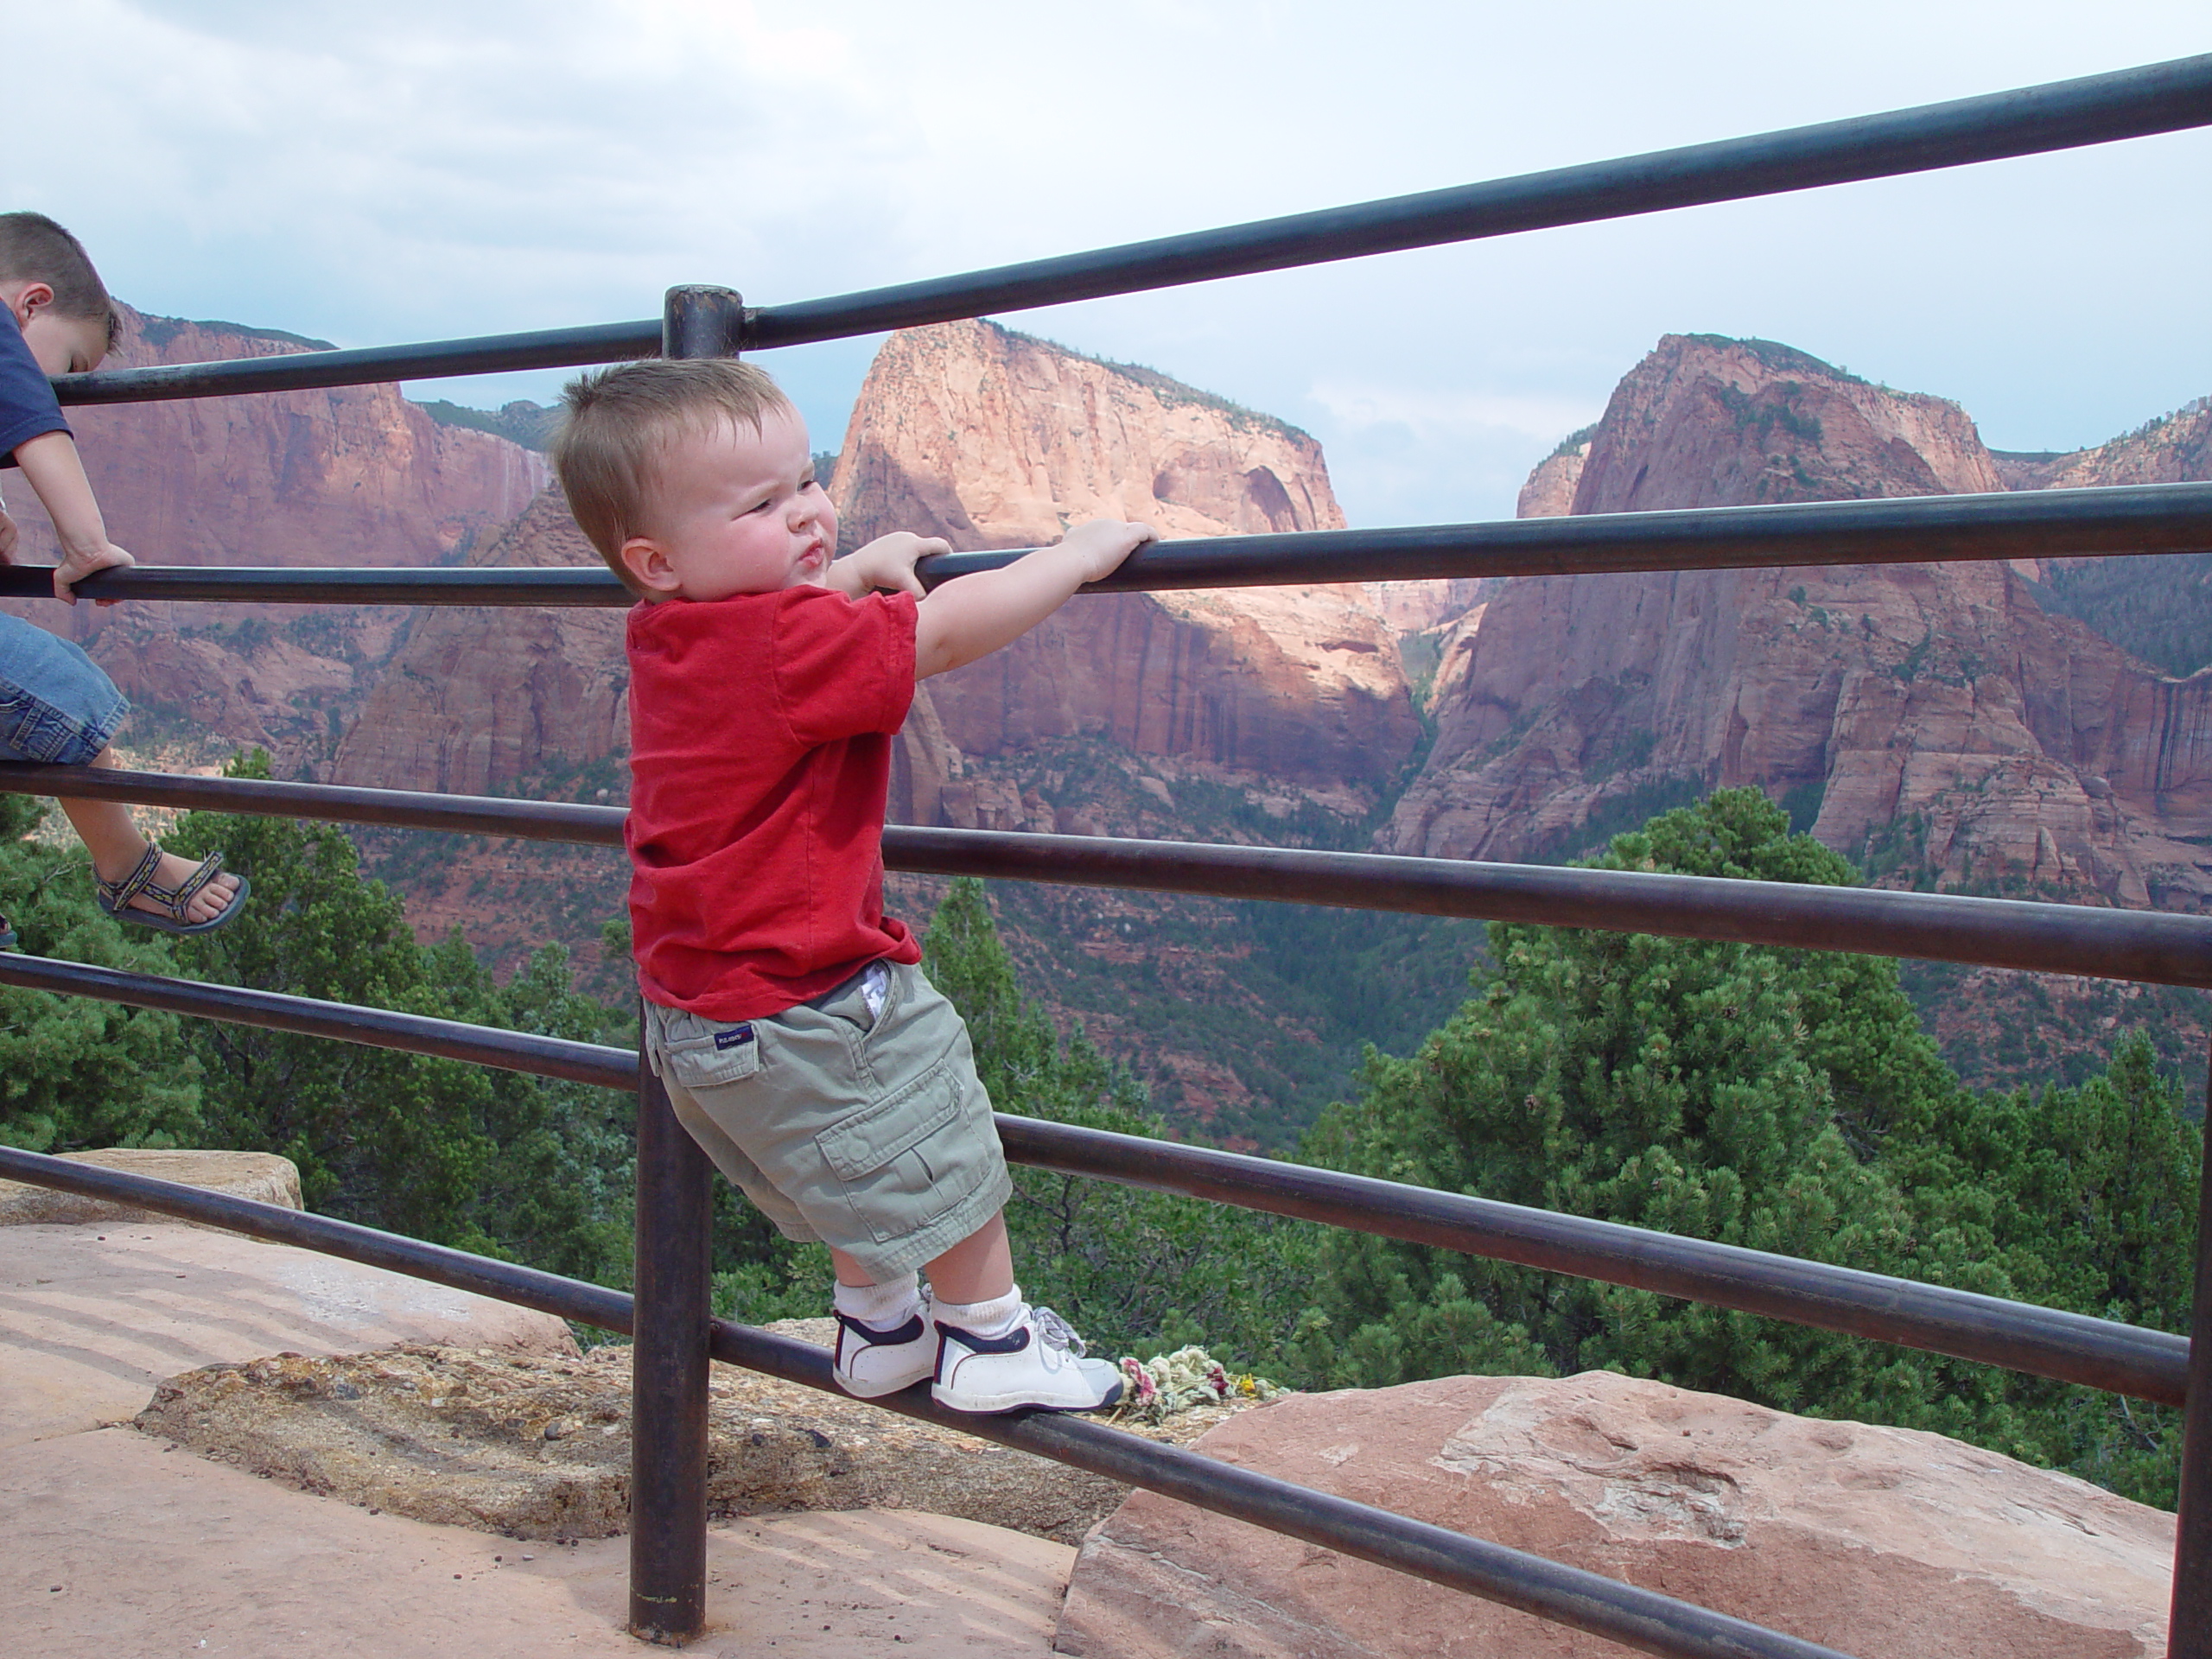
(735, 1037)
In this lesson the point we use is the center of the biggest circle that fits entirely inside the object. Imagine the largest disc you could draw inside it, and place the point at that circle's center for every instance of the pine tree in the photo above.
(499, 1162)
(1714, 1090)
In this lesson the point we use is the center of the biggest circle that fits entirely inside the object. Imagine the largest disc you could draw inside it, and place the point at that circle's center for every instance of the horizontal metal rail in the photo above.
(345, 1022)
(1587, 1601)
(2043, 1342)
(363, 365)
(2163, 949)
(2105, 944)
(1919, 530)
(1963, 1325)
(2061, 115)
(470, 815)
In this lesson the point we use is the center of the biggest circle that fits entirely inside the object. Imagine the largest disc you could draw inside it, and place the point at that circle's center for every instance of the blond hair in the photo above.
(33, 249)
(621, 424)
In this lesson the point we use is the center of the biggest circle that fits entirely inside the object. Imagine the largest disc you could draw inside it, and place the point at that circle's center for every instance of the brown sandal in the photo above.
(115, 896)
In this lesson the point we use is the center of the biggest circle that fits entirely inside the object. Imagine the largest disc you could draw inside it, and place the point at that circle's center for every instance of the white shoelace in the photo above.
(1056, 1332)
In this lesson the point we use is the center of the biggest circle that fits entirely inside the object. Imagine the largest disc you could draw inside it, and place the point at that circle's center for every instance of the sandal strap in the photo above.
(140, 880)
(178, 897)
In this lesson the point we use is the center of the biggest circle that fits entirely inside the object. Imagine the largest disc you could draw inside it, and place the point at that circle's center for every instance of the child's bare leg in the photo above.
(113, 841)
(979, 1269)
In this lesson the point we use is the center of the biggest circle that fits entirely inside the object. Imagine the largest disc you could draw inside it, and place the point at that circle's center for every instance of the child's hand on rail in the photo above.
(1102, 543)
(887, 563)
(9, 536)
(78, 562)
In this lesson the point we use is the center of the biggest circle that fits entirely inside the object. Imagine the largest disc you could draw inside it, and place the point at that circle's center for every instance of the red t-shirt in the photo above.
(760, 734)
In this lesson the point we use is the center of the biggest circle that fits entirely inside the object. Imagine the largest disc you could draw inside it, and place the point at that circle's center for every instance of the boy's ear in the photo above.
(25, 299)
(648, 564)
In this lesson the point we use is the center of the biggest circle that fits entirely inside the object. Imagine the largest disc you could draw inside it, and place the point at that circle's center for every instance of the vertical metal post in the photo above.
(668, 1376)
(667, 1379)
(2188, 1635)
(701, 320)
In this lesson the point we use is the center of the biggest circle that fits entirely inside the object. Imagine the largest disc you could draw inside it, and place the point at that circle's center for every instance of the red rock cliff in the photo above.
(352, 476)
(475, 699)
(1932, 711)
(992, 439)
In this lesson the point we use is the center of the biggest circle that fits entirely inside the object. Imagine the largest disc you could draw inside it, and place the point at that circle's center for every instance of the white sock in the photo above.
(992, 1318)
(881, 1308)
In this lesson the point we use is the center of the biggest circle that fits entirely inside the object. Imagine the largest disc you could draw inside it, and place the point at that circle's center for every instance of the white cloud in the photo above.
(1435, 414)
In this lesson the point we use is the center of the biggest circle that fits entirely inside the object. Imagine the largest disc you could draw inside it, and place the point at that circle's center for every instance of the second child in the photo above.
(56, 705)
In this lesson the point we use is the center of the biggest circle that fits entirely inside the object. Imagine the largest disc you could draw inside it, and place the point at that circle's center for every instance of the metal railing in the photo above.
(668, 1316)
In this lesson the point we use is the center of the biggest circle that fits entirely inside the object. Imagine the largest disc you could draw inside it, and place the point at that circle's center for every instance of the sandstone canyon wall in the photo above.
(351, 476)
(1937, 717)
(2175, 448)
(475, 700)
(994, 440)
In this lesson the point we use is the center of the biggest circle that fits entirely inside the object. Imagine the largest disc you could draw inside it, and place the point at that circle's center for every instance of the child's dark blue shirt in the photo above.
(28, 409)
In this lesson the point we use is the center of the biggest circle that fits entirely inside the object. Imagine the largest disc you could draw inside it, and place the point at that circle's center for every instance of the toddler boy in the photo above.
(55, 704)
(800, 1044)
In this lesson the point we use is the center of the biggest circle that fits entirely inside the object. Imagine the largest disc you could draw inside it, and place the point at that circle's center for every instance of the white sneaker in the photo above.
(1039, 1362)
(870, 1362)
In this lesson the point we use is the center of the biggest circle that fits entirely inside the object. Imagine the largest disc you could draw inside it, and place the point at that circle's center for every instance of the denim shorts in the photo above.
(55, 704)
(870, 1132)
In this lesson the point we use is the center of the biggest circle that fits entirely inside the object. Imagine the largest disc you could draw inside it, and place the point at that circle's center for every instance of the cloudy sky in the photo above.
(414, 170)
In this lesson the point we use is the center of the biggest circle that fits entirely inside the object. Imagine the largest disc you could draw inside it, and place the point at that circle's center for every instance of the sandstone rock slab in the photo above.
(539, 1447)
(261, 1176)
(1884, 1543)
(91, 1317)
(115, 1546)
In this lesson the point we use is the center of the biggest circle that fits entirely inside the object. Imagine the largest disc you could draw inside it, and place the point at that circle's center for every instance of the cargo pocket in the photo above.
(721, 1056)
(901, 1167)
(35, 730)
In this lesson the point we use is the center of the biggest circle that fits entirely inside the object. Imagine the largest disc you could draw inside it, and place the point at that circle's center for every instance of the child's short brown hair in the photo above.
(621, 423)
(33, 249)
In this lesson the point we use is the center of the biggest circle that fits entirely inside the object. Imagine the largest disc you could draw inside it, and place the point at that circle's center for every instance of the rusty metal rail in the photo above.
(1918, 530)
(2153, 946)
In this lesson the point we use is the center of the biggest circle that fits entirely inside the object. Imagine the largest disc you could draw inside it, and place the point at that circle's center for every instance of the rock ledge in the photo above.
(262, 1176)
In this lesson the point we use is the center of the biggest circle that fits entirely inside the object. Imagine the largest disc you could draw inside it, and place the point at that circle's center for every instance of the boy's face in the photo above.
(60, 345)
(736, 513)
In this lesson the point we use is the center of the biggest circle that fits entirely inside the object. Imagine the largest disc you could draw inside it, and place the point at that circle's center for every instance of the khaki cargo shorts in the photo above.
(869, 1131)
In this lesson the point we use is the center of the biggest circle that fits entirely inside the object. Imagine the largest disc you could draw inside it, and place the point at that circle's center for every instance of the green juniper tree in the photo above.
(2089, 1195)
(500, 1162)
(1685, 1086)
(1785, 1100)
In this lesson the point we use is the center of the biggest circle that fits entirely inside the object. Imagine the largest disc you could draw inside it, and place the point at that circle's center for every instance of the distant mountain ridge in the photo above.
(1936, 720)
(529, 424)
